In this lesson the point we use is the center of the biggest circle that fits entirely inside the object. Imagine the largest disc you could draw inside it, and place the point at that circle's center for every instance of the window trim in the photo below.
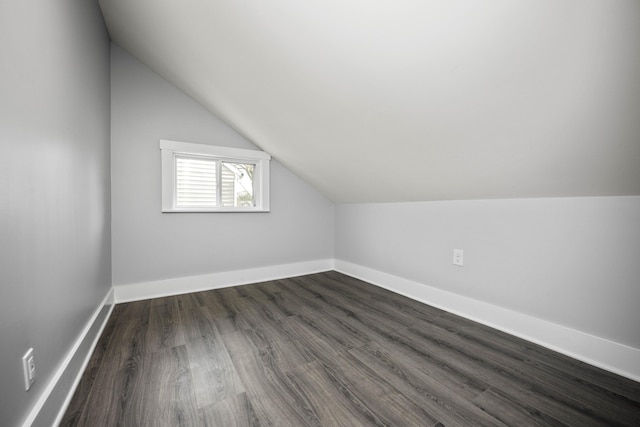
(169, 150)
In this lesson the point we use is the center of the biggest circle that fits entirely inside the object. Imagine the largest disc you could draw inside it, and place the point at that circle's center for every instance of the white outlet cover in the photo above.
(28, 369)
(458, 257)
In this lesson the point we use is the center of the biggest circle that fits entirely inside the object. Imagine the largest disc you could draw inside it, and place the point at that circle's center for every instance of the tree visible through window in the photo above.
(237, 184)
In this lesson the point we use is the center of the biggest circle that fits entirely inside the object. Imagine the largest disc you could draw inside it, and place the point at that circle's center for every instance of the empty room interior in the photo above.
(409, 213)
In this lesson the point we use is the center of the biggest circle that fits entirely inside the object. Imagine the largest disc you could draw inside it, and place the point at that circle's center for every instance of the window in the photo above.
(208, 178)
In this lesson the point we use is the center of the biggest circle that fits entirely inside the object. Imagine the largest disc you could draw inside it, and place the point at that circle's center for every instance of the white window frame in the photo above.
(169, 150)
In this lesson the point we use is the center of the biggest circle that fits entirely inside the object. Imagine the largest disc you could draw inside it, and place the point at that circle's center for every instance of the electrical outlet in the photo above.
(29, 369)
(458, 257)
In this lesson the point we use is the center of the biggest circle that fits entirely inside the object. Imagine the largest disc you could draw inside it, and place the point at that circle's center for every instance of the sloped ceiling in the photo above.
(375, 101)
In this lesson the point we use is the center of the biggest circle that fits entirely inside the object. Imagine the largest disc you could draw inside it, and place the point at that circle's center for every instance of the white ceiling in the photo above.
(374, 101)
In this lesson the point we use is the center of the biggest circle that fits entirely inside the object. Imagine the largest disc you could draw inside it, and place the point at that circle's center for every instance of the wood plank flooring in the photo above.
(330, 350)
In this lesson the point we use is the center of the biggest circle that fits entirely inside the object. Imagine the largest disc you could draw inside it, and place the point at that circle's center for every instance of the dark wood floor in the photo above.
(329, 350)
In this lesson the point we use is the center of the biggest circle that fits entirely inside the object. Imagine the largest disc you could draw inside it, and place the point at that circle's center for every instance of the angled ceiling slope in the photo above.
(373, 101)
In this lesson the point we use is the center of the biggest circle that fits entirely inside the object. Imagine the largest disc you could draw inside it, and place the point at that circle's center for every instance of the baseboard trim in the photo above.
(611, 356)
(108, 301)
(182, 285)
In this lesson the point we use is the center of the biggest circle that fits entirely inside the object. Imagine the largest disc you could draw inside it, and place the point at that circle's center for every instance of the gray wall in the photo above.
(149, 245)
(571, 261)
(54, 205)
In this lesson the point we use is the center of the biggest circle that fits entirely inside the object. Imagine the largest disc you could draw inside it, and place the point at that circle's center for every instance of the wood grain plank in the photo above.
(537, 379)
(213, 374)
(223, 314)
(513, 413)
(347, 301)
(272, 300)
(267, 333)
(444, 404)
(276, 291)
(333, 404)
(168, 399)
(582, 374)
(119, 374)
(164, 330)
(190, 301)
(274, 398)
(404, 371)
(235, 411)
(507, 384)
(362, 388)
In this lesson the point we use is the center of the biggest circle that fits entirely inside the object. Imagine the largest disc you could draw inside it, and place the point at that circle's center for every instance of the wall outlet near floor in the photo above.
(29, 368)
(458, 257)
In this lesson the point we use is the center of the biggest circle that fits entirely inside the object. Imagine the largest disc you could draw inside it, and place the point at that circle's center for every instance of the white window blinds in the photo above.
(196, 182)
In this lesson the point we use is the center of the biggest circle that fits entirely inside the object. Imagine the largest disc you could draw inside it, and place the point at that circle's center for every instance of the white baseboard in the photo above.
(611, 356)
(48, 390)
(182, 285)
